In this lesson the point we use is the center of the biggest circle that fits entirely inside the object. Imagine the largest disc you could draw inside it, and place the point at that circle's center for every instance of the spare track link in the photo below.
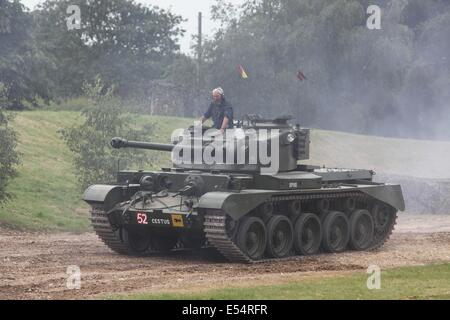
(217, 236)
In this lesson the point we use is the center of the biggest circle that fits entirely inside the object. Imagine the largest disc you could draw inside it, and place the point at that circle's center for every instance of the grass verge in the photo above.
(420, 282)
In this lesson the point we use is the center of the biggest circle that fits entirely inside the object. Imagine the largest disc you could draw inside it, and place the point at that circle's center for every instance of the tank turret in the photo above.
(254, 144)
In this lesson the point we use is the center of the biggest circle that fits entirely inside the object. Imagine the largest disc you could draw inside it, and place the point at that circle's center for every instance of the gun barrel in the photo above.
(119, 143)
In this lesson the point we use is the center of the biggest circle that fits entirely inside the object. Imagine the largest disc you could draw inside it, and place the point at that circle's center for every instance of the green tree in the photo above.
(9, 157)
(126, 43)
(385, 82)
(95, 160)
(182, 73)
(20, 61)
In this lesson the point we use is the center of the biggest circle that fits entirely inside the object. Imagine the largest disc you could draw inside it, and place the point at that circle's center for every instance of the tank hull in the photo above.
(314, 211)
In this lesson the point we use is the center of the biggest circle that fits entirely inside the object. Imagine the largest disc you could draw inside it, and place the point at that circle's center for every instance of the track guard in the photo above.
(236, 205)
(390, 194)
(107, 195)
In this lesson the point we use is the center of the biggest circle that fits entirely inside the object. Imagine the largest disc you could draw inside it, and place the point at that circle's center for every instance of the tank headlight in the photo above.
(147, 183)
(290, 138)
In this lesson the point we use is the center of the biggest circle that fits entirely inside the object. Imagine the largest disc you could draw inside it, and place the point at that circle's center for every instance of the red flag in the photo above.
(300, 76)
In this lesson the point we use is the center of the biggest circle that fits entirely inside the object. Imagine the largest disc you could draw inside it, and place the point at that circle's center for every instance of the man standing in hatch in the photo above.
(220, 110)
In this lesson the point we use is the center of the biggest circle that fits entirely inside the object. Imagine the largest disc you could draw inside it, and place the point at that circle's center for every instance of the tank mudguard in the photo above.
(234, 204)
(237, 204)
(108, 195)
(390, 194)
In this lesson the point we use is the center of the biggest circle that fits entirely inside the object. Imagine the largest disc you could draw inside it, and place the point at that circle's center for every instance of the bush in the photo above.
(9, 157)
(95, 160)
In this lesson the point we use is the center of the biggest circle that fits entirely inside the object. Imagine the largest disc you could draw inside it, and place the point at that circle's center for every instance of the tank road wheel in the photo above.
(252, 237)
(280, 236)
(361, 230)
(137, 242)
(307, 234)
(381, 216)
(336, 232)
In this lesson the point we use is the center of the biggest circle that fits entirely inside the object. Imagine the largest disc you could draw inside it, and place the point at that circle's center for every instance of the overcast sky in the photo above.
(187, 9)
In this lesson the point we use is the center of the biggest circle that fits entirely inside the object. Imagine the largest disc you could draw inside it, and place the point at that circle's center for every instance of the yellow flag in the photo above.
(242, 72)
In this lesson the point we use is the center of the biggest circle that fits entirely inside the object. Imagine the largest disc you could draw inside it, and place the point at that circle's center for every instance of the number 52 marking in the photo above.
(142, 218)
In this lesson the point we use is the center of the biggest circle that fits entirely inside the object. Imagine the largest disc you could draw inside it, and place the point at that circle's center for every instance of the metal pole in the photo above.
(199, 51)
(198, 81)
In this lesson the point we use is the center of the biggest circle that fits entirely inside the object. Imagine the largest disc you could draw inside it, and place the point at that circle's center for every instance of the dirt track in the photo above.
(33, 266)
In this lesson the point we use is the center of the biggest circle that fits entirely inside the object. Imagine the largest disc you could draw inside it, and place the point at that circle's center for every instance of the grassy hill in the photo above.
(47, 197)
(46, 193)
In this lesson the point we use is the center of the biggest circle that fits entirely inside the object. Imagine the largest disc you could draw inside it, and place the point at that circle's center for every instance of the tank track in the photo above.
(104, 230)
(217, 234)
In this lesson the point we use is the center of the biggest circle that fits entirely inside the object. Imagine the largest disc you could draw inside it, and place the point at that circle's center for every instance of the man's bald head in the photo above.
(217, 95)
(218, 90)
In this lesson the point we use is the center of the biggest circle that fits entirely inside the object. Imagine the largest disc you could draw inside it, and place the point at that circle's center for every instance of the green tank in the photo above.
(233, 200)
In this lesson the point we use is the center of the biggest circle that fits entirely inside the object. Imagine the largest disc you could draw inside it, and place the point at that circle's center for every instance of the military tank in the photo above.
(234, 203)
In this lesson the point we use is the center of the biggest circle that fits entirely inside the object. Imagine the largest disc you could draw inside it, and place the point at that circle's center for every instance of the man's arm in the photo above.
(206, 115)
(224, 124)
(228, 114)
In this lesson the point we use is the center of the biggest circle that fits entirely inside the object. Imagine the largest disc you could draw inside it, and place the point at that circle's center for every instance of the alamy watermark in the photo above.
(374, 279)
(73, 277)
(73, 22)
(233, 147)
(374, 20)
